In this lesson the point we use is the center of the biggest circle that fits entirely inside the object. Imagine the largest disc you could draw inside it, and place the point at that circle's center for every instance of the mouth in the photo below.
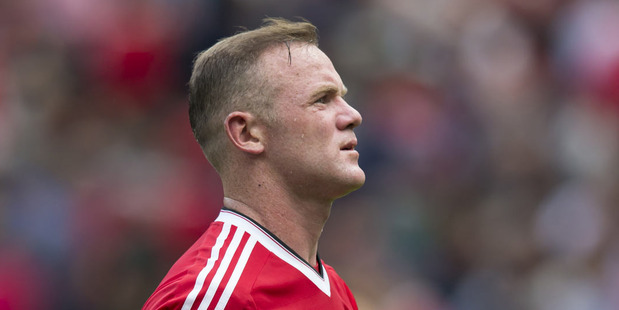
(350, 146)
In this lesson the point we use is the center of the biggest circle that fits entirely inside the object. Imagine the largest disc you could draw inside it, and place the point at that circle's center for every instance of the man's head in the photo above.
(281, 108)
(227, 78)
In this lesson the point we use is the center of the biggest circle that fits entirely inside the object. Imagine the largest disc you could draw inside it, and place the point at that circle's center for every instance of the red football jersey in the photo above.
(238, 264)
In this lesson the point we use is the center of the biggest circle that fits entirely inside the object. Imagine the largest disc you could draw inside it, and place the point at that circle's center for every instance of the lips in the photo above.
(350, 146)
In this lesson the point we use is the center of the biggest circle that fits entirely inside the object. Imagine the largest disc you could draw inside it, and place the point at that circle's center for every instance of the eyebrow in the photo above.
(329, 89)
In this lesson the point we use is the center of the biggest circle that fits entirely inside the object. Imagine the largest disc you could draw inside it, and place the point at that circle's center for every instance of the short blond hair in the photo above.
(227, 78)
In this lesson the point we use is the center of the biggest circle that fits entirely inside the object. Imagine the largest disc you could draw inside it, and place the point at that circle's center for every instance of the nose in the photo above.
(349, 118)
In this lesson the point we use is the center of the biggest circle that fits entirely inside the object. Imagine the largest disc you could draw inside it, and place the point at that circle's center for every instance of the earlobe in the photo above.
(244, 132)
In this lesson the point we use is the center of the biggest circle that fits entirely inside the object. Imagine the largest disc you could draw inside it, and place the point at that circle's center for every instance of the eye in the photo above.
(323, 100)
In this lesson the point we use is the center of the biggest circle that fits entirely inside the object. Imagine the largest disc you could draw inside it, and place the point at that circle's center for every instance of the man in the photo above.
(267, 108)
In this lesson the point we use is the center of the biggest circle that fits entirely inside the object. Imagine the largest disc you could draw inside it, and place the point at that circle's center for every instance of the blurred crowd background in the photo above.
(490, 142)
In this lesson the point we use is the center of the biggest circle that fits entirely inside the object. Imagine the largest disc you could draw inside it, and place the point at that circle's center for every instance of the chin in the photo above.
(359, 182)
(357, 176)
(353, 183)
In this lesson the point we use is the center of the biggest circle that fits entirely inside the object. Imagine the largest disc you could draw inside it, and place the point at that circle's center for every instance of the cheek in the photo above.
(309, 132)
(316, 138)
(320, 127)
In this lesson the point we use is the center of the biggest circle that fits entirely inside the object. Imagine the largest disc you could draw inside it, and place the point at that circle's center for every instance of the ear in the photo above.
(245, 132)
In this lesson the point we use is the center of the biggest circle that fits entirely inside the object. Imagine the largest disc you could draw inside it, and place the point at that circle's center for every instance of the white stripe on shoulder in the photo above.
(221, 271)
(209, 265)
(277, 248)
(236, 274)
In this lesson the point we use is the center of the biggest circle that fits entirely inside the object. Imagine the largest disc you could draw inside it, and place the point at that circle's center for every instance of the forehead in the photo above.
(302, 68)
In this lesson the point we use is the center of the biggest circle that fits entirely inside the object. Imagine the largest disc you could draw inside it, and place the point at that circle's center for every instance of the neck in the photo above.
(298, 224)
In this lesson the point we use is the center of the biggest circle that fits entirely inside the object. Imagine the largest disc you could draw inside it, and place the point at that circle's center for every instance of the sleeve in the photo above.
(166, 297)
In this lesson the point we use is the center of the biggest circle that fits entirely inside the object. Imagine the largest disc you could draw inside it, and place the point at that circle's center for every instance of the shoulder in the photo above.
(166, 296)
(180, 280)
(217, 270)
(332, 274)
(340, 287)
